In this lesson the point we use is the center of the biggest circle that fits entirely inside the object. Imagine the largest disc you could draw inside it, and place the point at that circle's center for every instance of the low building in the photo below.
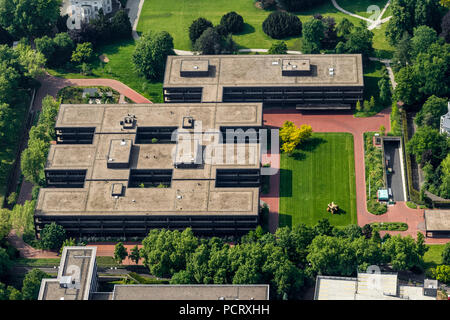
(82, 11)
(437, 223)
(316, 81)
(77, 280)
(445, 122)
(370, 286)
(77, 276)
(121, 170)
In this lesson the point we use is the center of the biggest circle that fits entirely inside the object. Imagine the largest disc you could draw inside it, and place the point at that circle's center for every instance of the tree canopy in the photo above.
(431, 112)
(279, 25)
(52, 236)
(428, 139)
(197, 28)
(29, 18)
(291, 136)
(152, 49)
(32, 284)
(233, 22)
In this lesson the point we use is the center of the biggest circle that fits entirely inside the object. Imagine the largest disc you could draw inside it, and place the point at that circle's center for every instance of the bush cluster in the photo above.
(281, 24)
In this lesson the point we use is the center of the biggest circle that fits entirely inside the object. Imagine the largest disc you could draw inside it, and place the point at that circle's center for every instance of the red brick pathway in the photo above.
(272, 198)
(357, 126)
(27, 251)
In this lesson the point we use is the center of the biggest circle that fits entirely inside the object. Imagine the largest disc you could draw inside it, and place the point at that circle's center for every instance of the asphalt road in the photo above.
(394, 180)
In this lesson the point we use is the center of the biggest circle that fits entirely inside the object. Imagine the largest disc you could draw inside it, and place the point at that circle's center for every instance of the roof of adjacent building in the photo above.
(191, 292)
(325, 70)
(437, 220)
(192, 191)
(445, 120)
(367, 286)
(78, 263)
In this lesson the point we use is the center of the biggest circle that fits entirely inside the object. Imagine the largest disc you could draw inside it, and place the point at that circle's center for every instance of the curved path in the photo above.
(27, 251)
(51, 85)
(373, 23)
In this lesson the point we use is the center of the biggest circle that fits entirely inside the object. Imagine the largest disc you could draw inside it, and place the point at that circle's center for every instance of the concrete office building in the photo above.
(311, 82)
(77, 280)
(114, 170)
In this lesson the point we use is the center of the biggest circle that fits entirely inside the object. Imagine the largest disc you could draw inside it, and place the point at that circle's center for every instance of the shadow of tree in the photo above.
(247, 30)
(285, 220)
(285, 183)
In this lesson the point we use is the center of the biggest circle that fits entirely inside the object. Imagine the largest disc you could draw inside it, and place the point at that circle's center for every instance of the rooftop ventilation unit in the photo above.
(117, 190)
(67, 282)
(295, 67)
(331, 71)
(119, 153)
(188, 122)
(196, 68)
(128, 122)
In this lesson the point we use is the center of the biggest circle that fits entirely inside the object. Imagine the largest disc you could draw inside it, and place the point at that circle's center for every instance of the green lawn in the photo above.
(433, 256)
(119, 67)
(320, 171)
(175, 17)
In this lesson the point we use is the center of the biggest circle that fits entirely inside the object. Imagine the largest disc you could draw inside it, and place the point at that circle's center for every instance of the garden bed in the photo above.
(373, 158)
(389, 226)
(74, 95)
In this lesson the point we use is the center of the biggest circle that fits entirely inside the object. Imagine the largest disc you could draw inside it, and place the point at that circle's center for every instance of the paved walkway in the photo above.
(27, 251)
(387, 63)
(134, 11)
(106, 249)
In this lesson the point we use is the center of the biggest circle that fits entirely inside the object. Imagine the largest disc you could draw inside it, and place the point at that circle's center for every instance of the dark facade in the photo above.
(309, 82)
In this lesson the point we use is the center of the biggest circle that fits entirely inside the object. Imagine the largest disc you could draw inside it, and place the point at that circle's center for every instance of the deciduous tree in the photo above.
(120, 252)
(149, 57)
(32, 284)
(53, 236)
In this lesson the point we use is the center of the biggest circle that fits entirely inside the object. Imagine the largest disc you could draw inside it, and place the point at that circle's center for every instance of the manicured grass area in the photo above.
(102, 262)
(50, 262)
(433, 256)
(319, 172)
(175, 17)
(119, 67)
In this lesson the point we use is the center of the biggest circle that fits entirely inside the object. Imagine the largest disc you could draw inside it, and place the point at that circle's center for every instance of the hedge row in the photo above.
(414, 195)
(390, 226)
